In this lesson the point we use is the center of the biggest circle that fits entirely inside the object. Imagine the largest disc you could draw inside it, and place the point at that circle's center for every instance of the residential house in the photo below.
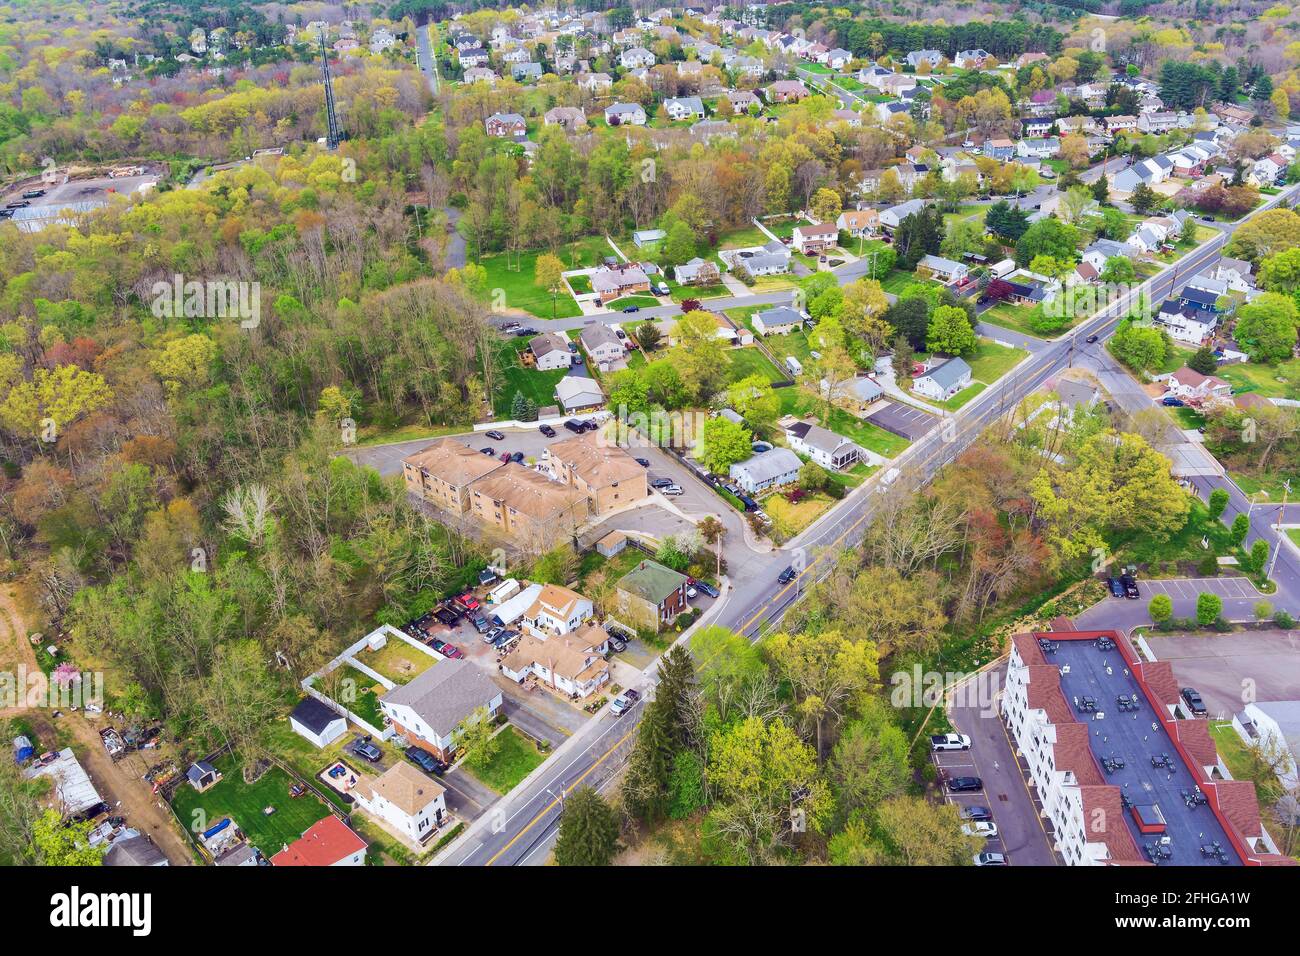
(327, 842)
(557, 610)
(690, 69)
(1267, 169)
(944, 380)
(708, 130)
(526, 72)
(874, 76)
(744, 101)
(972, 59)
(684, 108)
(847, 116)
(767, 260)
(528, 507)
(651, 595)
(428, 710)
(697, 272)
(858, 222)
(786, 91)
(1144, 171)
(477, 74)
(1158, 122)
(578, 393)
(1185, 322)
(569, 118)
(441, 473)
(767, 469)
(646, 237)
(137, 850)
(781, 320)
(945, 270)
(838, 58)
(317, 721)
(1044, 148)
(473, 56)
(636, 58)
(614, 282)
(856, 394)
(897, 84)
(1235, 274)
(1120, 124)
(888, 110)
(381, 40)
(812, 240)
(891, 218)
(1272, 727)
(625, 114)
(1025, 59)
(1037, 127)
(601, 343)
(931, 58)
(404, 798)
(1193, 387)
(595, 82)
(505, 125)
(1100, 251)
(550, 351)
(609, 476)
(823, 446)
(572, 663)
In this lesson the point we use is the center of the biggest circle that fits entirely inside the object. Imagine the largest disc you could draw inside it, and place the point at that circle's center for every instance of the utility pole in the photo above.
(333, 136)
(1286, 490)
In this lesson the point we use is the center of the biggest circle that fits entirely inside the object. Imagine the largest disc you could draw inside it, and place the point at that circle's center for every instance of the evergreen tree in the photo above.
(1144, 199)
(519, 407)
(1203, 361)
(588, 831)
(1101, 190)
(670, 725)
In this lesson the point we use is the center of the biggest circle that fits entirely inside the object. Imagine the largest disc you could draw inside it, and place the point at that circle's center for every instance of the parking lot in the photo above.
(1122, 614)
(904, 420)
(1226, 588)
(1227, 668)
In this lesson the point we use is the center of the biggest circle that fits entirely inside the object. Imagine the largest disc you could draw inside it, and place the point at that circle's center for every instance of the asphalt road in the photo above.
(756, 602)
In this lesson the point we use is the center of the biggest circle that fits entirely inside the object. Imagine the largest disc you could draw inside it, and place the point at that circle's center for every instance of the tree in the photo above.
(1208, 608)
(679, 246)
(1218, 501)
(588, 831)
(1161, 608)
(549, 274)
(1203, 361)
(699, 357)
(51, 401)
(1101, 190)
(902, 360)
(921, 833)
(1265, 234)
(1281, 272)
(1140, 347)
(826, 205)
(725, 444)
(869, 763)
(1048, 237)
(1267, 327)
(1009, 222)
(754, 399)
(647, 335)
(1118, 269)
(1259, 556)
(813, 477)
(951, 331)
(1239, 530)
(826, 671)
(1074, 150)
(60, 843)
(475, 737)
(1144, 199)
(713, 531)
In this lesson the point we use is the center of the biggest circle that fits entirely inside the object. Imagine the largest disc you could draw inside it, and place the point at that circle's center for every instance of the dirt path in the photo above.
(120, 784)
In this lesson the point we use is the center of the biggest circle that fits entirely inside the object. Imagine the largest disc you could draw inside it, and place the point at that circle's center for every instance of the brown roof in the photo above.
(1194, 379)
(1104, 811)
(1194, 735)
(554, 598)
(597, 462)
(860, 217)
(1159, 677)
(1030, 652)
(1044, 693)
(1239, 805)
(571, 655)
(453, 461)
(528, 492)
(404, 787)
(1074, 753)
(820, 229)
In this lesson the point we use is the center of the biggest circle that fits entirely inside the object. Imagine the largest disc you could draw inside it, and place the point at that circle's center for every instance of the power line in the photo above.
(333, 135)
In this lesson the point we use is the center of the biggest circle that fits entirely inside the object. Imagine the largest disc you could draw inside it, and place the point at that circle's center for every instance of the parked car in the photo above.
(546, 430)
(661, 482)
(632, 308)
(989, 858)
(940, 742)
(504, 456)
(480, 623)
(1172, 401)
(588, 425)
(786, 576)
(488, 450)
(707, 588)
(1194, 702)
(617, 644)
(366, 750)
(643, 462)
(1130, 586)
(672, 491)
(34, 194)
(749, 503)
(425, 760)
(691, 592)
(623, 702)
(469, 601)
(574, 426)
(985, 828)
(437, 643)
(620, 333)
(21, 204)
(495, 435)
(492, 635)
(505, 639)
(517, 457)
(965, 784)
(451, 651)
(1116, 587)
(976, 813)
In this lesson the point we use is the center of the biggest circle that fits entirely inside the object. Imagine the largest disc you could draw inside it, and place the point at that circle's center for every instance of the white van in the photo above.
(793, 365)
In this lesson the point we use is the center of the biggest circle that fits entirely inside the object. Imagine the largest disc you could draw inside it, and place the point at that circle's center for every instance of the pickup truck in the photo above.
(623, 702)
(940, 742)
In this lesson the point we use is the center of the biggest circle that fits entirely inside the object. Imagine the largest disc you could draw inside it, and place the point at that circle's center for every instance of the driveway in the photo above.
(907, 421)
(1231, 669)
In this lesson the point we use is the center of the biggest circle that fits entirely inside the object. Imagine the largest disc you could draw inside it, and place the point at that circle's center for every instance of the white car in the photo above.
(691, 592)
(940, 742)
(672, 491)
(985, 828)
(989, 858)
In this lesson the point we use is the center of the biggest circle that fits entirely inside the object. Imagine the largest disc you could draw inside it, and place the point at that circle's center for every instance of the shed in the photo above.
(202, 775)
(317, 721)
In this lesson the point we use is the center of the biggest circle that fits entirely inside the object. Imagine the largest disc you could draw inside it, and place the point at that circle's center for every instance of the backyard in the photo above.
(797, 401)
(354, 690)
(789, 519)
(751, 361)
(991, 361)
(246, 804)
(398, 661)
(1263, 380)
(515, 275)
(516, 758)
(513, 376)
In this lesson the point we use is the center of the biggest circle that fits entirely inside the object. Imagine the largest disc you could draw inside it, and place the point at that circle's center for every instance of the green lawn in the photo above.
(991, 361)
(750, 361)
(245, 805)
(515, 759)
(897, 281)
(1260, 379)
(743, 238)
(1187, 417)
(680, 293)
(1272, 483)
(581, 284)
(1019, 318)
(513, 377)
(797, 401)
(367, 691)
(641, 301)
(515, 276)
(962, 397)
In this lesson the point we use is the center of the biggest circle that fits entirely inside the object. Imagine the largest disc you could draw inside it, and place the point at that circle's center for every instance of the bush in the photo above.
(1263, 610)
(1284, 620)
(1259, 556)
(1161, 608)
(835, 490)
(1208, 566)
(1218, 502)
(1208, 608)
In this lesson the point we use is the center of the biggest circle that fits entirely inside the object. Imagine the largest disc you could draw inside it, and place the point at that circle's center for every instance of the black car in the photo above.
(588, 425)
(1116, 587)
(496, 435)
(1130, 586)
(965, 784)
(1092, 338)
(34, 194)
(22, 204)
(425, 760)
(574, 426)
(481, 624)
(366, 750)
(632, 308)
(660, 482)
(976, 814)
(489, 450)
(517, 457)
(643, 462)
(749, 503)
(546, 430)
(787, 575)
(1194, 702)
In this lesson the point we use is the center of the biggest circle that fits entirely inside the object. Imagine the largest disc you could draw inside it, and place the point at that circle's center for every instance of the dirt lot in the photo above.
(120, 784)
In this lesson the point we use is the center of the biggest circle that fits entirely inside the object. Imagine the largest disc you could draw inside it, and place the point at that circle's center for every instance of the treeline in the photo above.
(1005, 40)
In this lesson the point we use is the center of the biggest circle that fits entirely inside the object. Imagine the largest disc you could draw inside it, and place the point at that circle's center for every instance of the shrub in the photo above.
(835, 490)
(1218, 502)
(1259, 556)
(1208, 608)
(1263, 610)
(1284, 620)
(1208, 566)
(1161, 608)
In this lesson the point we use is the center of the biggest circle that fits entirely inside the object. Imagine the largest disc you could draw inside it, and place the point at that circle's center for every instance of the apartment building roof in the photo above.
(529, 493)
(452, 461)
(595, 461)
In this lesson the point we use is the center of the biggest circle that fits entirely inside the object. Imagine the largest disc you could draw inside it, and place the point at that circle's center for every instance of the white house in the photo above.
(771, 259)
(945, 270)
(572, 663)
(684, 108)
(811, 240)
(318, 722)
(1191, 386)
(550, 351)
(767, 469)
(891, 217)
(1185, 324)
(428, 710)
(638, 57)
(1274, 727)
(408, 801)
(781, 320)
(823, 446)
(625, 114)
(944, 380)
(557, 610)
(577, 393)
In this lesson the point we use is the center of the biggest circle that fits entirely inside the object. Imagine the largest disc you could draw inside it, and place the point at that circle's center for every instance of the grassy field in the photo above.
(897, 281)
(366, 690)
(750, 361)
(680, 293)
(796, 401)
(1018, 318)
(397, 661)
(790, 519)
(513, 377)
(1260, 379)
(515, 276)
(991, 361)
(642, 301)
(515, 759)
(1271, 483)
(581, 285)
(743, 238)
(245, 803)
(962, 397)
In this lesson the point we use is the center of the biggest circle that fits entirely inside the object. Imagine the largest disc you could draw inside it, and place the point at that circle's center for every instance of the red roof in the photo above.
(1194, 735)
(1027, 646)
(1044, 693)
(1107, 826)
(325, 843)
(1159, 678)
(1074, 753)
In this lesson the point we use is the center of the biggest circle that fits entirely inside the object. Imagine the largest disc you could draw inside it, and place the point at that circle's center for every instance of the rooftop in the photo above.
(324, 843)
(652, 581)
(445, 694)
(452, 461)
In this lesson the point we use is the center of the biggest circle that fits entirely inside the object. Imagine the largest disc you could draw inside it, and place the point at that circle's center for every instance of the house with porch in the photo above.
(428, 710)
(822, 445)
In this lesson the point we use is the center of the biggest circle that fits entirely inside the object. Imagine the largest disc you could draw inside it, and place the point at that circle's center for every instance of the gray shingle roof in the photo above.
(445, 694)
(949, 373)
(770, 464)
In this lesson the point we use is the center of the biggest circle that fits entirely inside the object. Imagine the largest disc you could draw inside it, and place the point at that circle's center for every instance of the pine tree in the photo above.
(519, 407)
(588, 831)
(670, 725)
(1101, 190)
(1203, 361)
